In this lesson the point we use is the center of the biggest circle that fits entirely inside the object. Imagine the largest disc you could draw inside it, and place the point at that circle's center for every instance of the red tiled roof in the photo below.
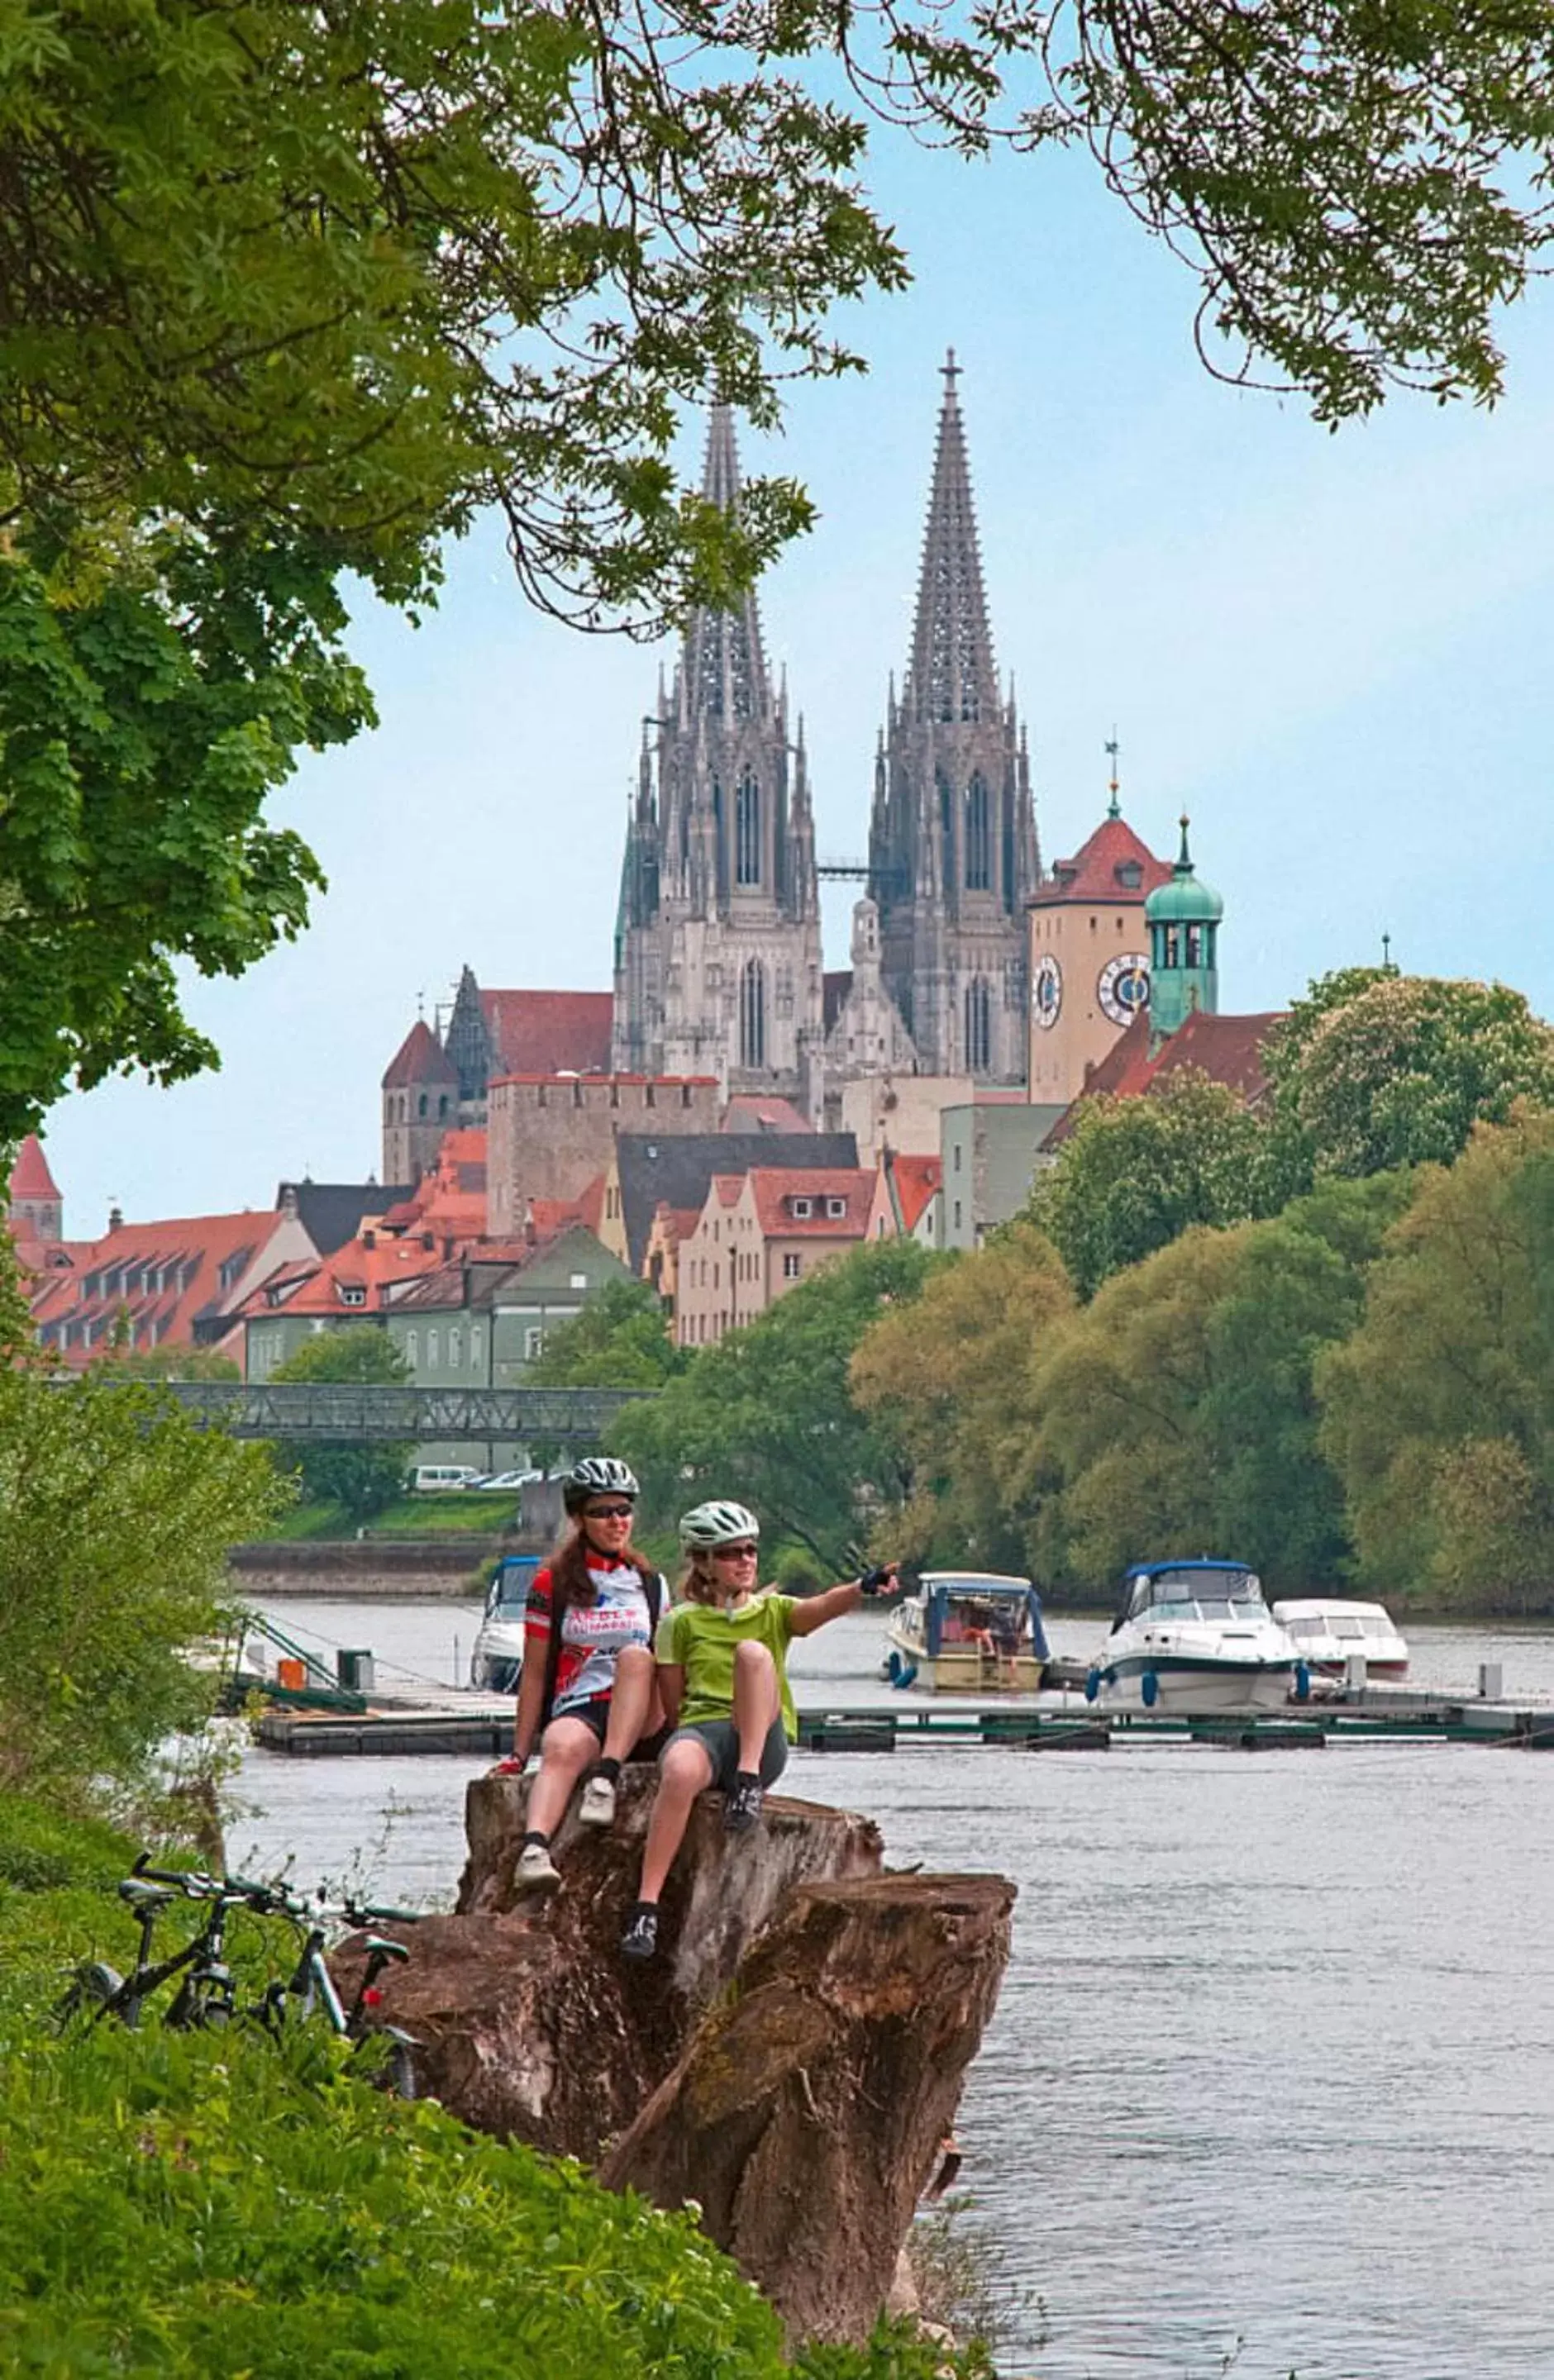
(591, 1204)
(1228, 1049)
(550, 1032)
(30, 1177)
(1096, 873)
(420, 1058)
(373, 1268)
(772, 1192)
(165, 1277)
(916, 1179)
(754, 1112)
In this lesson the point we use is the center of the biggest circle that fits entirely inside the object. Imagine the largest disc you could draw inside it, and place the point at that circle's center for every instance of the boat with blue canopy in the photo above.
(968, 1631)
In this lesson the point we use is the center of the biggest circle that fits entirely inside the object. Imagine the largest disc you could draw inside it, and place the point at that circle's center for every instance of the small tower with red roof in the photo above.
(35, 1209)
(1089, 954)
(420, 1103)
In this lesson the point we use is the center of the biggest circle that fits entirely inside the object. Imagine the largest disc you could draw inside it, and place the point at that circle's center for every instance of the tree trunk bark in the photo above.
(805, 2112)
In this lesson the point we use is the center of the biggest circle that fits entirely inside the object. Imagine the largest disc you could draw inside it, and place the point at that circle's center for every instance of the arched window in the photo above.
(946, 829)
(752, 1014)
(746, 833)
(979, 839)
(978, 1026)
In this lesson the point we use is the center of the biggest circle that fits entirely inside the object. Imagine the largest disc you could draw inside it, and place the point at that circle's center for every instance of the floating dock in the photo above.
(474, 1729)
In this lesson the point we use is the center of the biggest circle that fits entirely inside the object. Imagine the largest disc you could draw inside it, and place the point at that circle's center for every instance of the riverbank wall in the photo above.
(415, 1568)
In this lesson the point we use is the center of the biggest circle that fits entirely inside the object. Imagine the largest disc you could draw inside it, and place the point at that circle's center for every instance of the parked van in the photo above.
(430, 1478)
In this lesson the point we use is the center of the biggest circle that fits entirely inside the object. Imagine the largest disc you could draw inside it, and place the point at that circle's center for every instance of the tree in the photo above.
(767, 1414)
(1135, 1172)
(1438, 1413)
(293, 292)
(949, 1372)
(1177, 1413)
(360, 1478)
(619, 1339)
(115, 1516)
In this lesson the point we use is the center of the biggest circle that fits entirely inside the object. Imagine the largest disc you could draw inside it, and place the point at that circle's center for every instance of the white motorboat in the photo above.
(498, 1655)
(1194, 1639)
(968, 1631)
(1328, 1634)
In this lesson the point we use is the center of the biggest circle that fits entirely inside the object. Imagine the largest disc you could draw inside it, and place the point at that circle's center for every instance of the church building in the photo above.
(953, 847)
(717, 934)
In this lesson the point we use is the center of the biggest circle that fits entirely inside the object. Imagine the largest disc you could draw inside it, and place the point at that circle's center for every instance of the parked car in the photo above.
(510, 1478)
(436, 1478)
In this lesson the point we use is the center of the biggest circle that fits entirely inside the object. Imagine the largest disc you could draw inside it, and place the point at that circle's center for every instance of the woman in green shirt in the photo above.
(722, 1678)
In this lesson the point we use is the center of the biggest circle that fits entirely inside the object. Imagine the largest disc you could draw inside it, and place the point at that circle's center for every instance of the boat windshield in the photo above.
(507, 1595)
(1191, 1594)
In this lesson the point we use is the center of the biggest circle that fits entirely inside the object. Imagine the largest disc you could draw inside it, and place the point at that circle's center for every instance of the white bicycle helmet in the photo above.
(717, 1524)
(596, 1475)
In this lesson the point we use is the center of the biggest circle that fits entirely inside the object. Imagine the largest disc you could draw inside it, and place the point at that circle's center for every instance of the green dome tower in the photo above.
(1184, 921)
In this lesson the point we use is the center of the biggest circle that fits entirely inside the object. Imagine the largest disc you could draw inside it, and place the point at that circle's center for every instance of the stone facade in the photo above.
(718, 938)
(953, 848)
(549, 1136)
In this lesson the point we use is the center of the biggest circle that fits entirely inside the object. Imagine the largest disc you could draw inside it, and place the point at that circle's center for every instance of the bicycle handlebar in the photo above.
(270, 1899)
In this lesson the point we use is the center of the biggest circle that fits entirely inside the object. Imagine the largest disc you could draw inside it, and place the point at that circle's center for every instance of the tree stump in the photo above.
(531, 2024)
(805, 2114)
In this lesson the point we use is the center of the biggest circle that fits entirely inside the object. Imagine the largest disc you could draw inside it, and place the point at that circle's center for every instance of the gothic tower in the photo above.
(1183, 917)
(718, 934)
(953, 850)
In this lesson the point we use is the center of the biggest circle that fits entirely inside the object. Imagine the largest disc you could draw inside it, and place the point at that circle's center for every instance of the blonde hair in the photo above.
(698, 1585)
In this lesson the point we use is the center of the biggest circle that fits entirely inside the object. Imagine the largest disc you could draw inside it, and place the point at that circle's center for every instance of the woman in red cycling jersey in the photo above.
(587, 1696)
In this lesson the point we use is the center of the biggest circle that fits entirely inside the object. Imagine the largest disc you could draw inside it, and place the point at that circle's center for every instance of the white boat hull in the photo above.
(497, 1657)
(1194, 1687)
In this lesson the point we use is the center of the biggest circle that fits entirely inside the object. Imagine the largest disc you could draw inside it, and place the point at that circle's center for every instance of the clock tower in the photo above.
(1090, 955)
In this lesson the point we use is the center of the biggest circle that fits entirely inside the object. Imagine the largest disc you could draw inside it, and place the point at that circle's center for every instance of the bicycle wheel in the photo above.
(400, 2078)
(92, 1991)
(200, 2004)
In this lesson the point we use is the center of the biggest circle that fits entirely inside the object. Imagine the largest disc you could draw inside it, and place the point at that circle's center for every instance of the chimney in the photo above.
(370, 1238)
(116, 1217)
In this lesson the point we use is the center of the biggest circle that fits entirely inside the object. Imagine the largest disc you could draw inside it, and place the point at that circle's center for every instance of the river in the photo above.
(1271, 2084)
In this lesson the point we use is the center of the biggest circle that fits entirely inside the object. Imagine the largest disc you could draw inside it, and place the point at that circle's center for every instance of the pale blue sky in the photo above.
(1332, 650)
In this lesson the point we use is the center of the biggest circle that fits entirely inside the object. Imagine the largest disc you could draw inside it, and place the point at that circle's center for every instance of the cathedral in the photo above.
(718, 965)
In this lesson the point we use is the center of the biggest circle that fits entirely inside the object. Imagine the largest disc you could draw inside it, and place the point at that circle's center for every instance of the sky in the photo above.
(1332, 650)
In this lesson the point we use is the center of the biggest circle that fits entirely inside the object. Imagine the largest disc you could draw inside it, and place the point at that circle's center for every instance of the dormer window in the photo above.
(1131, 874)
(352, 1295)
(800, 1208)
(836, 1209)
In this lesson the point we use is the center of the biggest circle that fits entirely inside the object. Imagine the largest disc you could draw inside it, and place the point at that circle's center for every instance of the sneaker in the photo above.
(535, 1871)
(741, 1804)
(640, 1939)
(596, 1804)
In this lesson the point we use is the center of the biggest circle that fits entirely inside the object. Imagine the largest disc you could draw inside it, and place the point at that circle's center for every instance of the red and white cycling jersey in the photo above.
(591, 1633)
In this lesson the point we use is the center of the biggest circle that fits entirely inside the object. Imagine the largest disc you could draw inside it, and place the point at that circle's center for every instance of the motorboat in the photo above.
(498, 1655)
(968, 1631)
(1328, 1634)
(1194, 1639)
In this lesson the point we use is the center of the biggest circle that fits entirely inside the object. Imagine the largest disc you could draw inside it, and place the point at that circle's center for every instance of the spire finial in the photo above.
(1114, 808)
(1185, 857)
(1385, 954)
(952, 373)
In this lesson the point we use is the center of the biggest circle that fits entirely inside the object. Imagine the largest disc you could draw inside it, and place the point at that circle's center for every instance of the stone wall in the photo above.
(549, 1134)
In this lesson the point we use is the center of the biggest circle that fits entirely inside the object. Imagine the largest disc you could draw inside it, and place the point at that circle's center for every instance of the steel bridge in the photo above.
(365, 1413)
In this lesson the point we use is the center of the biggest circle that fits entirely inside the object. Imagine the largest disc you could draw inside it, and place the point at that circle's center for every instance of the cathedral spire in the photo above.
(950, 675)
(722, 667)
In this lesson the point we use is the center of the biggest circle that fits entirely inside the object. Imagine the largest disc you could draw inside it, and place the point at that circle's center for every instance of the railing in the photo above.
(364, 1411)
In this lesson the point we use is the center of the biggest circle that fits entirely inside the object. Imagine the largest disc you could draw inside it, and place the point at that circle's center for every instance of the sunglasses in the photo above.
(734, 1553)
(607, 1512)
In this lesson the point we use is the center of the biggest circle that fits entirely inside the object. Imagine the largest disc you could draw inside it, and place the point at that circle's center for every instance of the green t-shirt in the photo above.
(699, 1638)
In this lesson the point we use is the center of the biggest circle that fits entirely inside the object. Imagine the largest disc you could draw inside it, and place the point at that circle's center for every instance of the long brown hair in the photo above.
(571, 1583)
(698, 1585)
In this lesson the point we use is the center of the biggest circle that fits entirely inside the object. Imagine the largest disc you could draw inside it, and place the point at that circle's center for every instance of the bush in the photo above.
(205, 2205)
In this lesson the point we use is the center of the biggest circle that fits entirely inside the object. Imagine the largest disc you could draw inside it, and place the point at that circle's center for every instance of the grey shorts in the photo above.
(719, 1737)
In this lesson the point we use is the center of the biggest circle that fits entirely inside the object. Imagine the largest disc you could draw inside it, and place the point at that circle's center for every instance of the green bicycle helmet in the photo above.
(717, 1524)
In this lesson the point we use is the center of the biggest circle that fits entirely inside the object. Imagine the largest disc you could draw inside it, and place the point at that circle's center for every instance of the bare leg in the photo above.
(635, 1672)
(686, 1771)
(757, 1701)
(566, 1750)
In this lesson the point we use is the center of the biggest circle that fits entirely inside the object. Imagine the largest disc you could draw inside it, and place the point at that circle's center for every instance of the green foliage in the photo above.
(1135, 1172)
(360, 1479)
(1438, 1412)
(620, 1339)
(115, 1512)
(950, 1372)
(203, 2206)
(767, 1414)
(145, 715)
(172, 1363)
(1377, 1070)
(1178, 1415)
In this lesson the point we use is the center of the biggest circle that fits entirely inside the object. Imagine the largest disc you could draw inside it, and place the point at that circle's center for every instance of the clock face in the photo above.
(1123, 986)
(1046, 991)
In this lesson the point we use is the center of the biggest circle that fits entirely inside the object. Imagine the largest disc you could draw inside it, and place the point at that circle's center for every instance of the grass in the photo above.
(467, 1513)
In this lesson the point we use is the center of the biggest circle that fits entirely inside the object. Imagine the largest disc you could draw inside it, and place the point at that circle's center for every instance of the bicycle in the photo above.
(207, 1994)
